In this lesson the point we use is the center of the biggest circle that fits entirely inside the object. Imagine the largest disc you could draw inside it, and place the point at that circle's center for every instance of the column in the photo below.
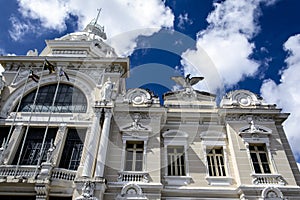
(59, 142)
(103, 144)
(91, 147)
(14, 141)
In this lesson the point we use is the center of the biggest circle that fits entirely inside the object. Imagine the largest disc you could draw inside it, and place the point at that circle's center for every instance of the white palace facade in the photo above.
(70, 129)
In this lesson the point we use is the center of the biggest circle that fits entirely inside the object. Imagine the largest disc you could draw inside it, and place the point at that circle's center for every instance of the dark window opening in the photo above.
(176, 161)
(134, 155)
(33, 144)
(69, 99)
(259, 159)
(73, 149)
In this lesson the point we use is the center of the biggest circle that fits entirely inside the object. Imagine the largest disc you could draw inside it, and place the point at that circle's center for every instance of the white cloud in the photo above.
(184, 19)
(132, 17)
(286, 94)
(227, 43)
(19, 28)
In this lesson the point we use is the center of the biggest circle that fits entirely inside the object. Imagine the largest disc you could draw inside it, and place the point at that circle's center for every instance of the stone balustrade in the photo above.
(132, 176)
(21, 171)
(29, 172)
(263, 179)
(63, 174)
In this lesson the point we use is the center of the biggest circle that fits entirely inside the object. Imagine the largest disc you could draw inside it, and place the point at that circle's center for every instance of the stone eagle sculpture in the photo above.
(187, 82)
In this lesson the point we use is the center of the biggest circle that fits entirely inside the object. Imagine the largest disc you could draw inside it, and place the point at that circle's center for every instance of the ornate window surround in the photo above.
(176, 138)
(210, 140)
(258, 135)
(135, 131)
(77, 79)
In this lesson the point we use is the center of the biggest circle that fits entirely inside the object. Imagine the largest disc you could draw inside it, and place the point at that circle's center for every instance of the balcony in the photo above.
(63, 174)
(133, 176)
(268, 179)
(12, 173)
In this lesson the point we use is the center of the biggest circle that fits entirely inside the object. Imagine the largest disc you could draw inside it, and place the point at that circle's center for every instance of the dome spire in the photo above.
(99, 10)
(95, 28)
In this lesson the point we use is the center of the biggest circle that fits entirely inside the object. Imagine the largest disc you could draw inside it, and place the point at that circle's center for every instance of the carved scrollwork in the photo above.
(138, 97)
(241, 98)
(87, 191)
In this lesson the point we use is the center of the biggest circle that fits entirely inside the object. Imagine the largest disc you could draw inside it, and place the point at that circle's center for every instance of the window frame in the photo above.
(215, 162)
(258, 156)
(134, 161)
(134, 139)
(72, 146)
(64, 103)
(173, 167)
(35, 143)
(261, 136)
(176, 138)
(215, 140)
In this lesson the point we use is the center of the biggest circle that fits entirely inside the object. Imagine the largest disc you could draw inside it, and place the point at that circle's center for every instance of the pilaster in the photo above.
(90, 153)
(101, 157)
(14, 141)
(59, 141)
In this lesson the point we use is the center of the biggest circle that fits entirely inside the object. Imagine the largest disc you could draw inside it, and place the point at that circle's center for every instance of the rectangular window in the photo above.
(73, 149)
(33, 144)
(176, 161)
(259, 158)
(215, 161)
(134, 156)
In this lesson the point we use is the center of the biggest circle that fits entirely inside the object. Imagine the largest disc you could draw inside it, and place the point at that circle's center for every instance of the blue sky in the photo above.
(235, 44)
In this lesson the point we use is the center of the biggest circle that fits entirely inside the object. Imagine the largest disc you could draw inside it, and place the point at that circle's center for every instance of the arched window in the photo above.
(69, 99)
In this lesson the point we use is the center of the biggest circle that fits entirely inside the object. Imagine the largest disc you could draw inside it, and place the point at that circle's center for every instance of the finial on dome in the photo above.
(95, 28)
(99, 10)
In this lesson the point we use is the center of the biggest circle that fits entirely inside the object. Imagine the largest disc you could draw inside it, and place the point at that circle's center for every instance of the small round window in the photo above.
(69, 99)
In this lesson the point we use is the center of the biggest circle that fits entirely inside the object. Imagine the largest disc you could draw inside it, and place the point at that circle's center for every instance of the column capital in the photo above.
(97, 111)
(108, 113)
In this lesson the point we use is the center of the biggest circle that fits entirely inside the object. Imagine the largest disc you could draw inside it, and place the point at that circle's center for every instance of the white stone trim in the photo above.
(126, 138)
(210, 140)
(176, 138)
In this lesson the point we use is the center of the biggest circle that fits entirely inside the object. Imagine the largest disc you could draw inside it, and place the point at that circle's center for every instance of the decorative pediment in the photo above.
(273, 193)
(139, 97)
(253, 130)
(131, 191)
(243, 99)
(136, 128)
(189, 97)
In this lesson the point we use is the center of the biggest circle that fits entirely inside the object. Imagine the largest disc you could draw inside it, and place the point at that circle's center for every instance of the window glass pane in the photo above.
(128, 166)
(260, 148)
(259, 158)
(33, 146)
(134, 156)
(139, 166)
(257, 168)
(176, 161)
(215, 162)
(129, 155)
(139, 155)
(67, 96)
(218, 151)
(254, 157)
(73, 148)
(266, 168)
(263, 157)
